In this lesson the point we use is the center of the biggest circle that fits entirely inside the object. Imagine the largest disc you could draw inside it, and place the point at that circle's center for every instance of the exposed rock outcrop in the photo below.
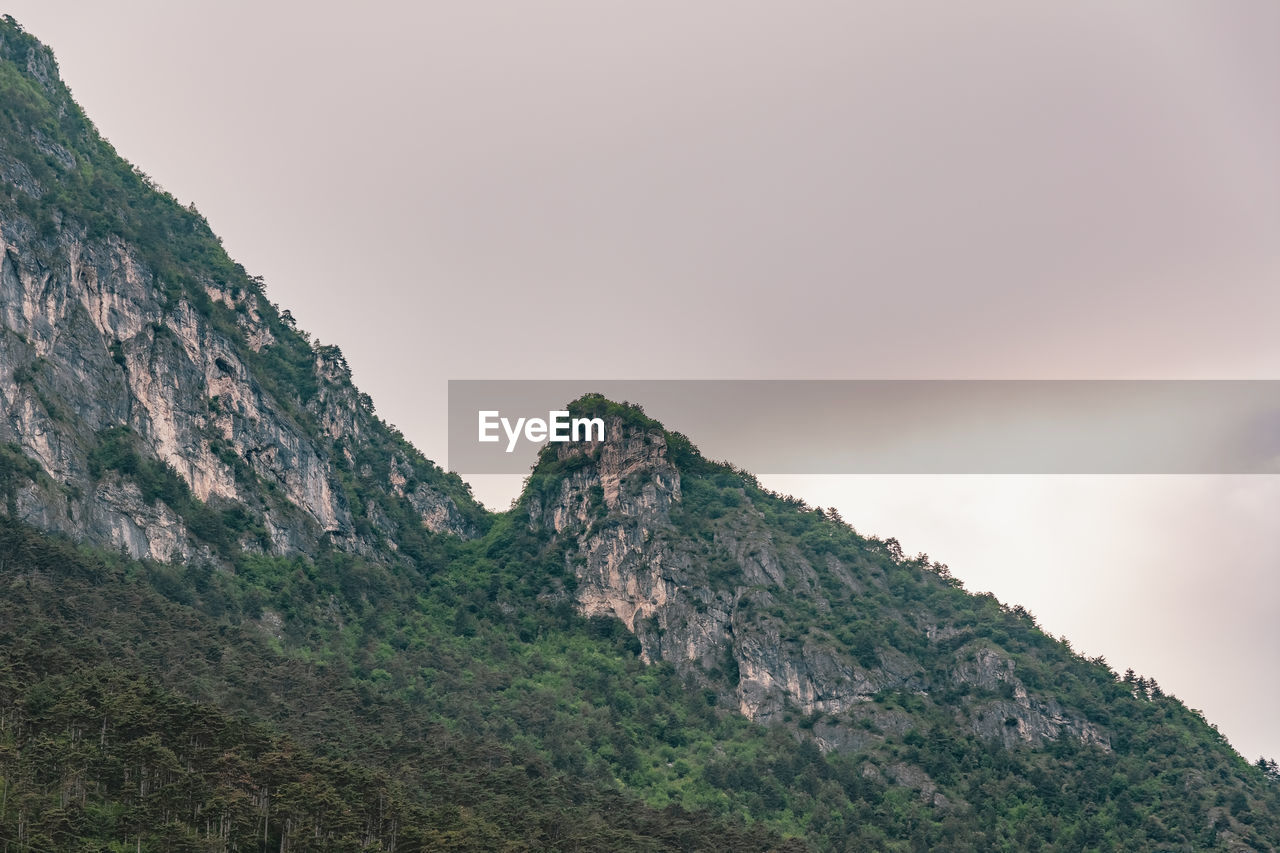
(715, 597)
(91, 340)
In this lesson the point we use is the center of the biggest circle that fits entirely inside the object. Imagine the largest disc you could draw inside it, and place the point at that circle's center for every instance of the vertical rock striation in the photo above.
(151, 381)
(717, 595)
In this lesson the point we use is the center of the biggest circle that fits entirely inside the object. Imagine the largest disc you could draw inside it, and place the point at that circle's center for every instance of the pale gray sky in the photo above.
(768, 190)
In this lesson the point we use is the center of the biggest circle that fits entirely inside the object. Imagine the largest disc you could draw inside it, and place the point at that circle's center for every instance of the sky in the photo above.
(747, 190)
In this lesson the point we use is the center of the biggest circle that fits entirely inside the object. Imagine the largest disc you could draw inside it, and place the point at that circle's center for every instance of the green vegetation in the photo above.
(390, 716)
(446, 694)
(16, 469)
(118, 450)
(73, 185)
(479, 654)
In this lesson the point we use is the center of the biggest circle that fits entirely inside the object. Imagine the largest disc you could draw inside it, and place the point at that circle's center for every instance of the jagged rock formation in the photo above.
(296, 561)
(717, 597)
(147, 326)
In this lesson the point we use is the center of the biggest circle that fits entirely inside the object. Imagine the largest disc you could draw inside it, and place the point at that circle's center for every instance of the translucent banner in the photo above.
(895, 426)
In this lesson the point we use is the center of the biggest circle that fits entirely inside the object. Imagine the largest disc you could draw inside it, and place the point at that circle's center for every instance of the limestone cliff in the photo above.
(153, 400)
(134, 352)
(748, 609)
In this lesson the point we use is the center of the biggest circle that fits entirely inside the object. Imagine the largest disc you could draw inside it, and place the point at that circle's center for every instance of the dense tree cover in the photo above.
(483, 657)
(447, 694)
(94, 759)
(92, 755)
(94, 749)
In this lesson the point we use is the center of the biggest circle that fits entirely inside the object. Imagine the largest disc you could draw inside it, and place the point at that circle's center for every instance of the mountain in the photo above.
(239, 611)
(176, 412)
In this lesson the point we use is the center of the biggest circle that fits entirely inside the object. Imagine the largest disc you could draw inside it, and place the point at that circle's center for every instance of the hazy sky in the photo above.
(768, 190)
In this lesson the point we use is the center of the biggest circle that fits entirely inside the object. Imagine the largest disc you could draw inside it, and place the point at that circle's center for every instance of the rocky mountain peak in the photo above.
(168, 407)
(689, 555)
(649, 651)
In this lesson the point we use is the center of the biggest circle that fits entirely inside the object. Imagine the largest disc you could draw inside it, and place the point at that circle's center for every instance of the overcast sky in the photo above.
(767, 190)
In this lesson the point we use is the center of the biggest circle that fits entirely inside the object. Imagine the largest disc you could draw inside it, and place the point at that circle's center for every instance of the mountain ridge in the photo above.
(197, 497)
(685, 614)
(134, 332)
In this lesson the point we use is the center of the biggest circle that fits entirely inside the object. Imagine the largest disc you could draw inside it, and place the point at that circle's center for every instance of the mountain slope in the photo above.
(176, 412)
(206, 529)
(94, 749)
(785, 614)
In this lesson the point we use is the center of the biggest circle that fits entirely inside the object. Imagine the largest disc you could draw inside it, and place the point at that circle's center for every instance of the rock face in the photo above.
(88, 343)
(153, 400)
(717, 598)
(145, 324)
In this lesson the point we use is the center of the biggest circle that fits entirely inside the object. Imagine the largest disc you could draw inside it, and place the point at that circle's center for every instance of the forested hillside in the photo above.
(240, 612)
